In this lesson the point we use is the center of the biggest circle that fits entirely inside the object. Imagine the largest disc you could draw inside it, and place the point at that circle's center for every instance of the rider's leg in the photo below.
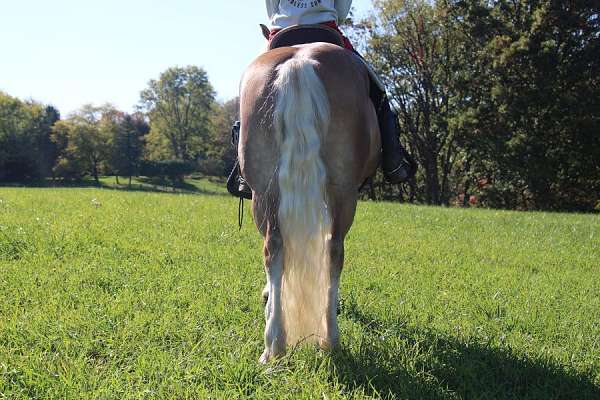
(236, 184)
(398, 165)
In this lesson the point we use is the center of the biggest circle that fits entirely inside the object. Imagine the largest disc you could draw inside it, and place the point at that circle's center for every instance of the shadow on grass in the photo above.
(141, 185)
(84, 183)
(162, 186)
(429, 366)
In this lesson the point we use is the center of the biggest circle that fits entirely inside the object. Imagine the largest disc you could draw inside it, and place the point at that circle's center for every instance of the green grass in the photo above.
(141, 295)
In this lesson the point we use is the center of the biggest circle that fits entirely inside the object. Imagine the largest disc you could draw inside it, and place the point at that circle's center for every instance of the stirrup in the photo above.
(400, 174)
(244, 189)
(236, 184)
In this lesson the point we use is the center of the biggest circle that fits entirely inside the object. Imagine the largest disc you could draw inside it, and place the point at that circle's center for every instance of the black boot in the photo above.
(398, 165)
(236, 184)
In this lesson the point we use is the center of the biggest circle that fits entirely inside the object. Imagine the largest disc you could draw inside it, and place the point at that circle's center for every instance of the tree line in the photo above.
(178, 129)
(499, 101)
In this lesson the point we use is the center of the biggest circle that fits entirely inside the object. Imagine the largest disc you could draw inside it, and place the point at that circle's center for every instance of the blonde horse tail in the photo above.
(301, 120)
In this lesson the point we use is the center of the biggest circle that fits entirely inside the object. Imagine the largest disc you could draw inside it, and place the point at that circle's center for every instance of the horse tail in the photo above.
(301, 120)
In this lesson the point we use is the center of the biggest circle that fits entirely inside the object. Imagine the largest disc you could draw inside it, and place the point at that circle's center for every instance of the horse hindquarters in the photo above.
(290, 203)
(302, 205)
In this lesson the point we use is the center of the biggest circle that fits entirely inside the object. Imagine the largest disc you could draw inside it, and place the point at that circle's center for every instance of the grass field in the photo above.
(108, 294)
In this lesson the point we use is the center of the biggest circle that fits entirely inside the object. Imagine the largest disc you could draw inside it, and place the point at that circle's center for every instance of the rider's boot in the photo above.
(398, 165)
(236, 184)
(243, 188)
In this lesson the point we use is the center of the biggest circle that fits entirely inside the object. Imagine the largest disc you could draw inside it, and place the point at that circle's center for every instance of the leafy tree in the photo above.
(46, 150)
(179, 105)
(84, 141)
(220, 154)
(25, 149)
(127, 145)
(534, 103)
(497, 99)
(419, 54)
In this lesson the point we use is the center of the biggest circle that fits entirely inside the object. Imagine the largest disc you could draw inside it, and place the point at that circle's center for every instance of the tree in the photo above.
(25, 149)
(127, 145)
(497, 99)
(534, 106)
(417, 51)
(220, 153)
(84, 141)
(179, 105)
(46, 150)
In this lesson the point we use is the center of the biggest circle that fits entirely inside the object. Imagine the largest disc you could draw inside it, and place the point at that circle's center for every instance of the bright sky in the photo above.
(71, 52)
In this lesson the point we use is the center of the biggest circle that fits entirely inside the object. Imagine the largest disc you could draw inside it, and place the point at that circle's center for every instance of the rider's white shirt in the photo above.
(284, 13)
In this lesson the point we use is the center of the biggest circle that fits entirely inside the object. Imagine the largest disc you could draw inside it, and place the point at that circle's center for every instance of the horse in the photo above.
(309, 138)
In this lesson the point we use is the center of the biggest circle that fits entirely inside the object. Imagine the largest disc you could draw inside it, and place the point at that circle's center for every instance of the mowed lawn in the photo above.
(108, 294)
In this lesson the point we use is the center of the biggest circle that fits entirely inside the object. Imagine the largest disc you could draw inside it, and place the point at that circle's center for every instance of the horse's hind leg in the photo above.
(344, 210)
(273, 256)
(331, 338)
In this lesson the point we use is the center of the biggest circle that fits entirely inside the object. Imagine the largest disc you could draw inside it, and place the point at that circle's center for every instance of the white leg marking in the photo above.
(274, 332)
(332, 334)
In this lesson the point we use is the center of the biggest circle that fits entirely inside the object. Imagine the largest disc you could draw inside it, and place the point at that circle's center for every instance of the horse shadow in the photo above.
(440, 367)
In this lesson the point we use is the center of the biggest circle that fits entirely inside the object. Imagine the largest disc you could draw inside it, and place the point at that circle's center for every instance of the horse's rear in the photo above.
(309, 138)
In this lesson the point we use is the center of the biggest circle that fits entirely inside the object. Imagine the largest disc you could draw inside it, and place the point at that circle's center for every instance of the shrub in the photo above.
(172, 170)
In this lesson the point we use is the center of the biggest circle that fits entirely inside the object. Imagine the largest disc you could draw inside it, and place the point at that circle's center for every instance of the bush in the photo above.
(172, 170)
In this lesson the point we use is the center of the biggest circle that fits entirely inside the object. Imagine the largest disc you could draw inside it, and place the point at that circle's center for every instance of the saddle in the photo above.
(302, 34)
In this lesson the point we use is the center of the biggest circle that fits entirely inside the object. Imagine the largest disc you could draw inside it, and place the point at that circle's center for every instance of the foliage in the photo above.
(124, 295)
(127, 145)
(418, 53)
(26, 151)
(536, 102)
(96, 140)
(174, 170)
(179, 105)
(496, 99)
(221, 154)
(83, 141)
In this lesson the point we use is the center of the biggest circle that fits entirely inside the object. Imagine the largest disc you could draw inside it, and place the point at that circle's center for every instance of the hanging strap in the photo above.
(240, 213)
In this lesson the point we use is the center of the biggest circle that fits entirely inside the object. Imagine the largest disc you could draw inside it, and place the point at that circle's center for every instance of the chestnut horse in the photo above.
(309, 138)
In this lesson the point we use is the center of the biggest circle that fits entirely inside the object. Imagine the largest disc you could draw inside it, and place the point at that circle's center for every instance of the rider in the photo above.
(398, 166)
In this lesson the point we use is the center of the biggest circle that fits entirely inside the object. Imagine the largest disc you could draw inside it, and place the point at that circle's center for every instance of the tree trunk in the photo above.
(465, 202)
(432, 184)
(95, 173)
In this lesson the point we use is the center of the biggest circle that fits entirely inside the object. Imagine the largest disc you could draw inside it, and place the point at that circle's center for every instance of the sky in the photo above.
(72, 52)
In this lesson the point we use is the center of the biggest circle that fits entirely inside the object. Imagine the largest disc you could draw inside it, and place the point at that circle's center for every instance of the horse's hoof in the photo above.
(329, 345)
(271, 354)
(265, 357)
